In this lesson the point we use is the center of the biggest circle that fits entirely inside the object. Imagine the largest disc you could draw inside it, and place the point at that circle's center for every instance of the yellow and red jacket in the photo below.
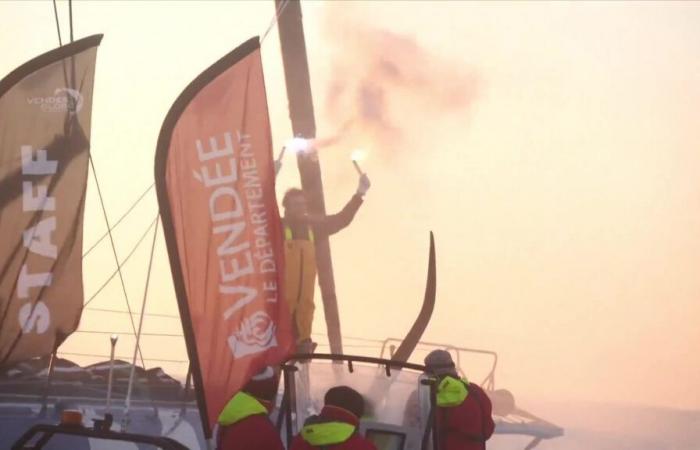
(244, 425)
(463, 415)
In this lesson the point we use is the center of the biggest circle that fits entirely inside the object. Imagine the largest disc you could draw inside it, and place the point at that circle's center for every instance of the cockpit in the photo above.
(397, 397)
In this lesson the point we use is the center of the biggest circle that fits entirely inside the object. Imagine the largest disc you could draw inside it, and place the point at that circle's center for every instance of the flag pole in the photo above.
(112, 343)
(47, 387)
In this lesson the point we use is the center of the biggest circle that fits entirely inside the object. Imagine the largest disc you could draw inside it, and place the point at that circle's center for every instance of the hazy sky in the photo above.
(552, 147)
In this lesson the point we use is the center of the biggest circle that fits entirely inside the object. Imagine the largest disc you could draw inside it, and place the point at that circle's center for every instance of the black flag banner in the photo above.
(45, 113)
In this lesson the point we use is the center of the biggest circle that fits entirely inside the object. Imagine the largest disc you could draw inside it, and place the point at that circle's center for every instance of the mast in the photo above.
(301, 113)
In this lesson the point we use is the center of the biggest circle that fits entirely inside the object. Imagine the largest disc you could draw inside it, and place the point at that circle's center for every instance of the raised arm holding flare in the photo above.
(300, 231)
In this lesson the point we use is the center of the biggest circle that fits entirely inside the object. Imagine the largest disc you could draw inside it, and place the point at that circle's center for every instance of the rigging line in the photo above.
(351, 346)
(60, 41)
(354, 338)
(114, 249)
(142, 334)
(119, 266)
(274, 20)
(168, 316)
(72, 62)
(120, 219)
(95, 355)
(143, 309)
(58, 25)
(70, 18)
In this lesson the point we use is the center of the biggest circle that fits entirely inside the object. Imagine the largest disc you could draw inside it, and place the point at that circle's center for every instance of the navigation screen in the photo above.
(386, 440)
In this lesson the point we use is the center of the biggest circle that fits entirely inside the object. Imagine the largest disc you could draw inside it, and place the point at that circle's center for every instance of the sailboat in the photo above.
(158, 410)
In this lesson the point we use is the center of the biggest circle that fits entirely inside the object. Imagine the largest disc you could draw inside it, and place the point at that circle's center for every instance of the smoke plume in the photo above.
(382, 85)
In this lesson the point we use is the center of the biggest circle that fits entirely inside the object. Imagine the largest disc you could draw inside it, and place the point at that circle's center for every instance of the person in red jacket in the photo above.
(244, 423)
(336, 427)
(463, 409)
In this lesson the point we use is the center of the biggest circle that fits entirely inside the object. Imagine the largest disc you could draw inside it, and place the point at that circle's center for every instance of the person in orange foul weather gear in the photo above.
(301, 229)
(244, 423)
